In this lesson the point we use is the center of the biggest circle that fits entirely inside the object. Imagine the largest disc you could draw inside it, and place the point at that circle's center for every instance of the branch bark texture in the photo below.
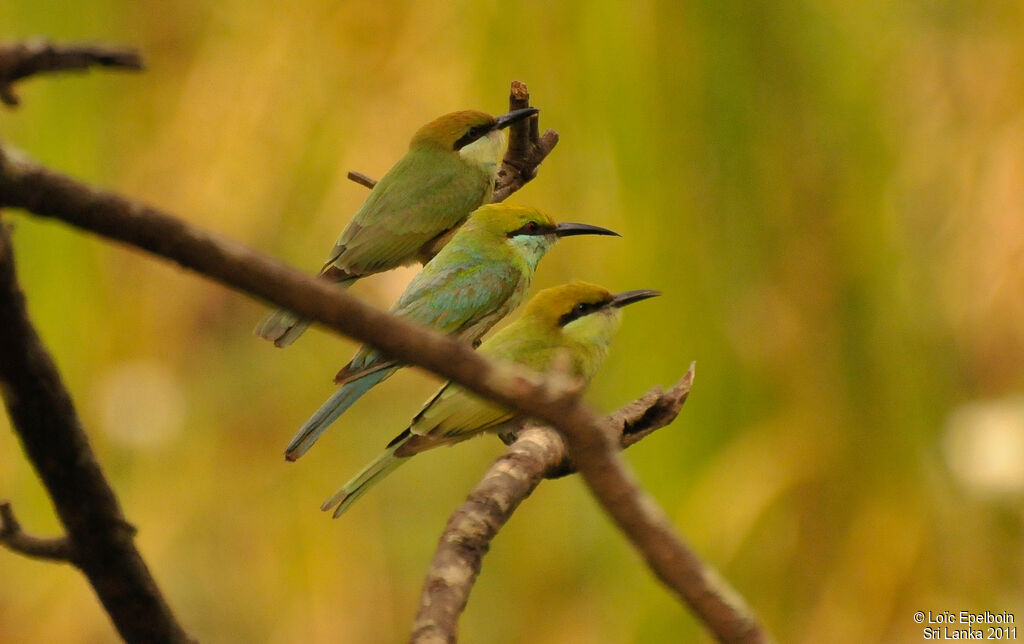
(526, 147)
(99, 539)
(23, 59)
(26, 185)
(537, 453)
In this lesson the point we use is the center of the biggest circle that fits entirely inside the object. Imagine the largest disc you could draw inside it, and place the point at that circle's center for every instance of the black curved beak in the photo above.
(568, 229)
(620, 300)
(505, 120)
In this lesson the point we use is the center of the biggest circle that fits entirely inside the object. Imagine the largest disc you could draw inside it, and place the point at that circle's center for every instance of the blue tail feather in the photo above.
(331, 410)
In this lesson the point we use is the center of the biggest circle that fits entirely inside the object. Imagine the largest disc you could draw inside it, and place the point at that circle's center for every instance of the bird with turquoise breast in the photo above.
(448, 172)
(576, 320)
(477, 279)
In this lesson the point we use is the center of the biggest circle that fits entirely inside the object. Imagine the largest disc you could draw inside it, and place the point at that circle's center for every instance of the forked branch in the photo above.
(537, 453)
(49, 194)
(590, 440)
(527, 148)
(100, 541)
(15, 539)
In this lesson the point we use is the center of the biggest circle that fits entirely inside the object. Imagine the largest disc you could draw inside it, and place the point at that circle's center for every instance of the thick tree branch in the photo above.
(51, 434)
(526, 150)
(590, 444)
(537, 453)
(26, 185)
(12, 536)
(23, 59)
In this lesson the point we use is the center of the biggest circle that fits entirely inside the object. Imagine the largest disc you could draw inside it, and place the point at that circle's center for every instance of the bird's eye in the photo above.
(472, 134)
(578, 311)
(529, 228)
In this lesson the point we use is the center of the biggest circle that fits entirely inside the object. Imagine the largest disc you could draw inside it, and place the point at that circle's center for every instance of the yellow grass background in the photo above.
(830, 194)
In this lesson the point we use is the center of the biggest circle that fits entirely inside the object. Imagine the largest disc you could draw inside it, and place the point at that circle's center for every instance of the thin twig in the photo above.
(52, 437)
(537, 453)
(26, 185)
(361, 179)
(15, 539)
(23, 59)
(526, 150)
(35, 397)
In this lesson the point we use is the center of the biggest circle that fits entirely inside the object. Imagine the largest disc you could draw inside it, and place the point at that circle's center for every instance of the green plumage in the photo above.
(430, 191)
(477, 279)
(576, 320)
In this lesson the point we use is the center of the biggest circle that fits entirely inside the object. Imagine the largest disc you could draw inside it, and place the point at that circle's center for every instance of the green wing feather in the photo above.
(457, 295)
(455, 413)
(456, 298)
(426, 193)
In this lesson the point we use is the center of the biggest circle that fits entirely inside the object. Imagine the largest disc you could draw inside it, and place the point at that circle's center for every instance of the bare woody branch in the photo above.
(52, 437)
(722, 609)
(526, 150)
(526, 147)
(22, 184)
(537, 453)
(23, 59)
(12, 536)
(26, 185)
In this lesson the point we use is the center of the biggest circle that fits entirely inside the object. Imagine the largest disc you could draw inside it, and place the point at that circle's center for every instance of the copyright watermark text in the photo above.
(966, 625)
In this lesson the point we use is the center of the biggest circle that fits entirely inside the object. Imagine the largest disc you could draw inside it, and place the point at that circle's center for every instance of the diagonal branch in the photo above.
(590, 444)
(16, 540)
(23, 59)
(526, 150)
(723, 611)
(26, 185)
(537, 453)
(52, 437)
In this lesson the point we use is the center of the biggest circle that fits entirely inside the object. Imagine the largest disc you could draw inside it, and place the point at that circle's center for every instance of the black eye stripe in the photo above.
(581, 309)
(472, 134)
(578, 311)
(575, 313)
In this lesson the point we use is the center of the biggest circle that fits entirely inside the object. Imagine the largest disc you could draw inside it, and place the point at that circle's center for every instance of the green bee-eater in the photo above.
(447, 173)
(477, 279)
(577, 320)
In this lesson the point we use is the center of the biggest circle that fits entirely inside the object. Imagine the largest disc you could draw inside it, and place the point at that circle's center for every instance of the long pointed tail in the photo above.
(282, 327)
(369, 476)
(329, 412)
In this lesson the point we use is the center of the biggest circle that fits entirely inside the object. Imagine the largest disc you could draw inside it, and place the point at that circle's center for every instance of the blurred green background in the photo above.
(830, 194)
